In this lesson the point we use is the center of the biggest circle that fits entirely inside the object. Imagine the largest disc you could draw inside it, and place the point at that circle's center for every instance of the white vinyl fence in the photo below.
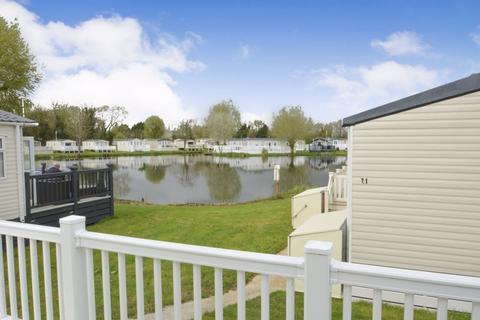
(75, 270)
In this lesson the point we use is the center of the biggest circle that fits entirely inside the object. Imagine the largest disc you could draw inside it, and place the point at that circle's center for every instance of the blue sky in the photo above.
(333, 58)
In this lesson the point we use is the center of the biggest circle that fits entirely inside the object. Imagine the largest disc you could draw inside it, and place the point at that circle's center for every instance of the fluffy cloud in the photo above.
(245, 52)
(401, 43)
(476, 38)
(252, 116)
(355, 89)
(107, 60)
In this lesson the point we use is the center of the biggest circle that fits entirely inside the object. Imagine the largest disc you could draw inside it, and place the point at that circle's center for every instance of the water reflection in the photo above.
(223, 182)
(187, 171)
(154, 173)
(291, 177)
(121, 183)
(205, 179)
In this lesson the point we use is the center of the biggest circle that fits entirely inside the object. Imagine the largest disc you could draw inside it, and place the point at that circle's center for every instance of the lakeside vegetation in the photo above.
(90, 154)
(332, 153)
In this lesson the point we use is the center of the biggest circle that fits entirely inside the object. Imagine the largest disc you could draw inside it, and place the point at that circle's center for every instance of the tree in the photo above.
(258, 129)
(121, 132)
(199, 131)
(137, 130)
(329, 130)
(223, 121)
(79, 126)
(185, 131)
(46, 124)
(154, 128)
(243, 131)
(110, 117)
(262, 132)
(62, 114)
(18, 70)
(291, 124)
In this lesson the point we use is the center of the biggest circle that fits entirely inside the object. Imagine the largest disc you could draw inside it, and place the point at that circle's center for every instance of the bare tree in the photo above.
(78, 124)
(185, 131)
(111, 117)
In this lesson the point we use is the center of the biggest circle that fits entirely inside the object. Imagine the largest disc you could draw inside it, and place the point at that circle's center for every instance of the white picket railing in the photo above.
(338, 187)
(76, 286)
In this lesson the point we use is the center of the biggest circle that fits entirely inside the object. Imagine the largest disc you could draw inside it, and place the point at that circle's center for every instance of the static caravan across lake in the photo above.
(161, 145)
(131, 145)
(414, 181)
(12, 165)
(258, 145)
(97, 145)
(63, 145)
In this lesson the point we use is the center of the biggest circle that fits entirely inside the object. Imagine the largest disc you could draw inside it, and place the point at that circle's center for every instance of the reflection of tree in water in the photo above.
(121, 183)
(292, 177)
(322, 163)
(154, 173)
(187, 171)
(223, 182)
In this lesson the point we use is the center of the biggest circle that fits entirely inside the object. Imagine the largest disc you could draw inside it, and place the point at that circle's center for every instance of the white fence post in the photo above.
(317, 296)
(73, 269)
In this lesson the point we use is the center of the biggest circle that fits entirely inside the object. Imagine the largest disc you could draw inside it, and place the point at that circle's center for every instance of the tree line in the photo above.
(19, 76)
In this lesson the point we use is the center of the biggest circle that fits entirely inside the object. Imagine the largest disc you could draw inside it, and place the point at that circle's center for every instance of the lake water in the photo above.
(178, 179)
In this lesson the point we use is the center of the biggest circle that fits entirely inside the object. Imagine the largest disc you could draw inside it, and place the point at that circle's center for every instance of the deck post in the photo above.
(75, 187)
(317, 297)
(28, 195)
(110, 187)
(74, 273)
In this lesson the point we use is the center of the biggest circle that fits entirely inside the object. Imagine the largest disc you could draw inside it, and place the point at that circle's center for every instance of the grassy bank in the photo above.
(260, 226)
(360, 310)
(90, 154)
(299, 153)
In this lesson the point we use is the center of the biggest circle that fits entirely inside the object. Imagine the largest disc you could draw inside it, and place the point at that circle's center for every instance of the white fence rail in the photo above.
(75, 270)
(337, 186)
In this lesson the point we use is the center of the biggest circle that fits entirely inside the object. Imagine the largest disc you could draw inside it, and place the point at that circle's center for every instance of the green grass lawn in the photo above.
(361, 310)
(261, 226)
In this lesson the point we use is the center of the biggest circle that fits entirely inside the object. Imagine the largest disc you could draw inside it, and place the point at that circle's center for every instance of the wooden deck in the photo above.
(50, 197)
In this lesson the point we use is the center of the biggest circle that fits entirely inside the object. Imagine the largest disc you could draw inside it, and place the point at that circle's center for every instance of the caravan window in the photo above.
(2, 158)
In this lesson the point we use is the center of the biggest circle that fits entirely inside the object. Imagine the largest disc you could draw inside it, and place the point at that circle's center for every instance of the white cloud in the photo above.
(107, 60)
(246, 51)
(476, 37)
(359, 88)
(401, 43)
(252, 116)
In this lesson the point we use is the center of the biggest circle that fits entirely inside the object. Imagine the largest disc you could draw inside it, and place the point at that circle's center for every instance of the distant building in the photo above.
(258, 145)
(206, 144)
(97, 146)
(63, 145)
(39, 149)
(131, 145)
(326, 144)
(186, 145)
(161, 144)
(340, 144)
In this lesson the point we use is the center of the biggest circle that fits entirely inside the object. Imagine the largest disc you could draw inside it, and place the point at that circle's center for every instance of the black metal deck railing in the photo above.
(51, 196)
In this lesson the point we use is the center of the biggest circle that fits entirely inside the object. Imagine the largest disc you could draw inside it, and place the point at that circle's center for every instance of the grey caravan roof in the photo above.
(11, 117)
(443, 92)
